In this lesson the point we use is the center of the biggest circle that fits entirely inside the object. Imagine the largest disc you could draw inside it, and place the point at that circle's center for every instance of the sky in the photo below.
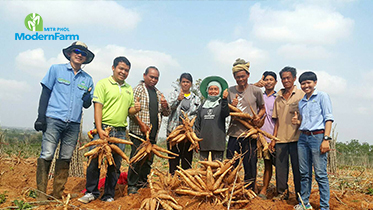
(331, 38)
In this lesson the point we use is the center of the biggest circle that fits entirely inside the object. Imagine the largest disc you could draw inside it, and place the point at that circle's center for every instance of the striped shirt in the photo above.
(140, 91)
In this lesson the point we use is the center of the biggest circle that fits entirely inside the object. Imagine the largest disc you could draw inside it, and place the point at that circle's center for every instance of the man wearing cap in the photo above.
(243, 95)
(66, 89)
(153, 107)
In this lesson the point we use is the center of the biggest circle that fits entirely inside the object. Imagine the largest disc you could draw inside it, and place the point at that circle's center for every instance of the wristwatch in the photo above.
(327, 138)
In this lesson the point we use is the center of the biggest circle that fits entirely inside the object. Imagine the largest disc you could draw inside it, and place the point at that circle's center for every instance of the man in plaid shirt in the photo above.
(153, 107)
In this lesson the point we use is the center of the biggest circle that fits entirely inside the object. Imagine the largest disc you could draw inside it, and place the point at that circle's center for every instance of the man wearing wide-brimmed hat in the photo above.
(66, 88)
(243, 95)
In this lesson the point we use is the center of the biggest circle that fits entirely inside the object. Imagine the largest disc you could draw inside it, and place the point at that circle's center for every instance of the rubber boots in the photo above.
(61, 173)
(42, 177)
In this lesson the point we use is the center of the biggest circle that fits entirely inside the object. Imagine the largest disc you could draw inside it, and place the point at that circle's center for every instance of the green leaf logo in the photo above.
(34, 22)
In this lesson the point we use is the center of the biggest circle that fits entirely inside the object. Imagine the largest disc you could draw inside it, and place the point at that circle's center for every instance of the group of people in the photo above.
(300, 119)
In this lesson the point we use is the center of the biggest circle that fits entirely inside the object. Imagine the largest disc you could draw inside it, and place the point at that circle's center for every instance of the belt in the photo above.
(114, 128)
(309, 133)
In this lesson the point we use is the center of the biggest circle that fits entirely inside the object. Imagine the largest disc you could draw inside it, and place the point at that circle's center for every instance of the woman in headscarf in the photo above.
(210, 123)
(182, 100)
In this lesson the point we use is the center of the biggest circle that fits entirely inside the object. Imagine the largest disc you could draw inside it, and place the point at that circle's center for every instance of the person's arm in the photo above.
(40, 123)
(175, 99)
(326, 107)
(224, 104)
(87, 98)
(165, 108)
(136, 108)
(98, 120)
(197, 124)
(325, 146)
(273, 142)
(260, 114)
(262, 111)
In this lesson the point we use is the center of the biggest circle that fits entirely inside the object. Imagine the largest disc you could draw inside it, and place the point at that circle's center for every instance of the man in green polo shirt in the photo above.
(113, 101)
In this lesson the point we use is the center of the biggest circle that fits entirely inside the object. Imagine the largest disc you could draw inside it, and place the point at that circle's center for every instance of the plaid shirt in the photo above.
(174, 118)
(140, 91)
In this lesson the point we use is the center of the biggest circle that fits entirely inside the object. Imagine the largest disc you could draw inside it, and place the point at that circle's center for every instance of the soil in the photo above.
(17, 178)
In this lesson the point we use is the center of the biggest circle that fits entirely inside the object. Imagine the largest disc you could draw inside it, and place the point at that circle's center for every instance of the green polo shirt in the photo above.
(116, 100)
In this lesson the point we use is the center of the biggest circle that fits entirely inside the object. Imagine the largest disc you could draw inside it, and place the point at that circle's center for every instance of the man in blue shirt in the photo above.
(66, 88)
(316, 113)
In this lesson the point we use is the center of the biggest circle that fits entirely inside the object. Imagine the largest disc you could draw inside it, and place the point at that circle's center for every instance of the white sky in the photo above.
(332, 38)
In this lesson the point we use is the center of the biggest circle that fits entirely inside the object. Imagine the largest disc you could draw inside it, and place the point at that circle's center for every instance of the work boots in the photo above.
(42, 178)
(61, 173)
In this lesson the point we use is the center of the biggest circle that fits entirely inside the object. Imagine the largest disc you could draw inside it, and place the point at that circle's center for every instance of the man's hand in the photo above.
(324, 148)
(225, 94)
(272, 145)
(137, 105)
(102, 134)
(256, 120)
(164, 103)
(87, 95)
(295, 120)
(181, 95)
(235, 101)
(40, 124)
(261, 82)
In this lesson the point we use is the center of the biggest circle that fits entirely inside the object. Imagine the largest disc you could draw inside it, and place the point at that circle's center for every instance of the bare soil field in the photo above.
(17, 179)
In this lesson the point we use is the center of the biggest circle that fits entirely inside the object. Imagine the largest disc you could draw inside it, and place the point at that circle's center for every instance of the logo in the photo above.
(210, 115)
(34, 22)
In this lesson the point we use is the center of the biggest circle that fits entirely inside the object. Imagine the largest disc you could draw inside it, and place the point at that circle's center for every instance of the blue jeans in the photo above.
(309, 154)
(58, 130)
(112, 174)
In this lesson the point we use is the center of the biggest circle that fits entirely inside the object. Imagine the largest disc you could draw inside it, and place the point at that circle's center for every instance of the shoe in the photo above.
(87, 198)
(262, 196)
(131, 190)
(300, 207)
(109, 199)
(281, 196)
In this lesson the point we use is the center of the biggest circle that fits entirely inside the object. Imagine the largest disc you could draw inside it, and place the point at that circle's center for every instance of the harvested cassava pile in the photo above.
(253, 129)
(159, 197)
(184, 132)
(103, 149)
(147, 149)
(214, 182)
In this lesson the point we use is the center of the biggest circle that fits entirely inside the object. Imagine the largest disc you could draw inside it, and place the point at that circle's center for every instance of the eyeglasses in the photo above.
(78, 51)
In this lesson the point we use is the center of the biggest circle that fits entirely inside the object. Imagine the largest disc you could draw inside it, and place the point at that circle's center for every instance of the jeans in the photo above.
(309, 154)
(57, 130)
(112, 174)
(250, 159)
(283, 151)
(138, 173)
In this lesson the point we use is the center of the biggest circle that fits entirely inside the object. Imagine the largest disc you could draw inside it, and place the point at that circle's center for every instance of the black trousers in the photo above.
(250, 159)
(138, 173)
(184, 156)
(113, 172)
(283, 151)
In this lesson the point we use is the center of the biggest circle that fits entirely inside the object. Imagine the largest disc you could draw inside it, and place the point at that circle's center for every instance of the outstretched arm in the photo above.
(40, 123)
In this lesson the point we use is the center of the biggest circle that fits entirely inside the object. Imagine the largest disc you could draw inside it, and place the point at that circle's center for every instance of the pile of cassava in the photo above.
(104, 148)
(213, 181)
(184, 132)
(253, 129)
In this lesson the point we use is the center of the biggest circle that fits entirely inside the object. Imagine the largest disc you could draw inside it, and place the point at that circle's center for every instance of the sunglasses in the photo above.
(78, 51)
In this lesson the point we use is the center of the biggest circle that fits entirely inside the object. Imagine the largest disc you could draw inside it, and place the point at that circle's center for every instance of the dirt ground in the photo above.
(17, 177)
